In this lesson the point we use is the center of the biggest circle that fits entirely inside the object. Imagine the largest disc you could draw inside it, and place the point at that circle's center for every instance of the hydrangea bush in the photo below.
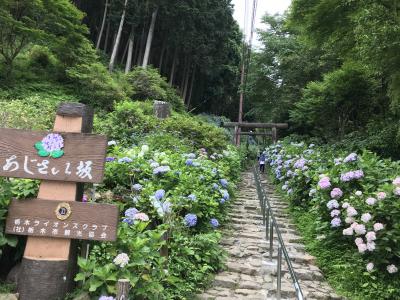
(355, 199)
(167, 199)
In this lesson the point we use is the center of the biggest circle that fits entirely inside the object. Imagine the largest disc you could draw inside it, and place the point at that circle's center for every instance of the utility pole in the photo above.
(245, 63)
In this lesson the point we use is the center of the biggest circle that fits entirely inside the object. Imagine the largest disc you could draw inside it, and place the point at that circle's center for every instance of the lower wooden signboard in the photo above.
(63, 219)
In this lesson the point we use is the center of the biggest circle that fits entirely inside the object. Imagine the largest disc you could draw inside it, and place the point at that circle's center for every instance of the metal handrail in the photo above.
(270, 223)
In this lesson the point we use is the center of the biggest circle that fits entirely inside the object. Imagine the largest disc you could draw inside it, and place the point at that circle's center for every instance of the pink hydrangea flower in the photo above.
(397, 191)
(396, 181)
(336, 193)
(381, 195)
(360, 229)
(371, 246)
(370, 201)
(324, 183)
(141, 216)
(378, 226)
(370, 267)
(362, 247)
(366, 217)
(358, 241)
(370, 236)
(351, 211)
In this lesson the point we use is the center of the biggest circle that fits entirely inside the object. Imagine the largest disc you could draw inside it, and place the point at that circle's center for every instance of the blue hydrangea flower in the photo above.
(189, 162)
(214, 171)
(128, 220)
(137, 187)
(225, 194)
(214, 223)
(222, 201)
(159, 194)
(125, 160)
(161, 170)
(214, 186)
(131, 212)
(190, 220)
(106, 298)
(154, 164)
(192, 197)
(223, 182)
(110, 158)
(191, 155)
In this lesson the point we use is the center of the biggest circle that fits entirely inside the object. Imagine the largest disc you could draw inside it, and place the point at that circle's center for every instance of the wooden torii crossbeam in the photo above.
(238, 125)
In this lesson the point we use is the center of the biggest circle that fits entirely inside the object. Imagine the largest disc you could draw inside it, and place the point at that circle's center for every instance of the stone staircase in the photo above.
(250, 274)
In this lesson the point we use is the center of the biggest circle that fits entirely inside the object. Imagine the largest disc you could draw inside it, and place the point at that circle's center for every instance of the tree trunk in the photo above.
(116, 44)
(185, 86)
(171, 77)
(128, 64)
(163, 48)
(125, 50)
(182, 85)
(102, 26)
(107, 35)
(141, 47)
(149, 38)
(191, 89)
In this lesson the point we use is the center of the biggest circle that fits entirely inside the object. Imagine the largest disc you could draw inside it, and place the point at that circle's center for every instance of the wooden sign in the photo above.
(62, 156)
(63, 219)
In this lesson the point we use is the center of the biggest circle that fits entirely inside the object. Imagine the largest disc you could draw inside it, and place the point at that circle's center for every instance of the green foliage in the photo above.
(147, 83)
(95, 85)
(130, 122)
(191, 262)
(342, 102)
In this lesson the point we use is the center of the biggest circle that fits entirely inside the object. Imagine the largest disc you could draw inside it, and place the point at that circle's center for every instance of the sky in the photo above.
(263, 6)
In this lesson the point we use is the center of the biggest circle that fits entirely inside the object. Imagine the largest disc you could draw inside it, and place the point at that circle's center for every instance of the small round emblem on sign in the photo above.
(63, 211)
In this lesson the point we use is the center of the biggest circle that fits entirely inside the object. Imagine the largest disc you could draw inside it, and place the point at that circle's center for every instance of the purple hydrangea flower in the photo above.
(53, 142)
(110, 158)
(350, 158)
(189, 162)
(106, 298)
(131, 212)
(348, 176)
(137, 187)
(159, 194)
(125, 160)
(335, 222)
(332, 204)
(161, 170)
(300, 163)
(336, 193)
(190, 220)
(192, 197)
(223, 182)
(214, 223)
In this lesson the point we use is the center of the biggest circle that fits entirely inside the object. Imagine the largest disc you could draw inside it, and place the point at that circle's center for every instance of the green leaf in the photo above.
(39, 146)
(57, 153)
(43, 153)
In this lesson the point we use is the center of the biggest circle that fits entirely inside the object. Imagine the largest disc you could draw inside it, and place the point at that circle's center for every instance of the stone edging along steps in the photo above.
(250, 274)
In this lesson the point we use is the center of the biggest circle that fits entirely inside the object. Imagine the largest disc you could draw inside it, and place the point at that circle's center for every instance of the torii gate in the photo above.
(239, 125)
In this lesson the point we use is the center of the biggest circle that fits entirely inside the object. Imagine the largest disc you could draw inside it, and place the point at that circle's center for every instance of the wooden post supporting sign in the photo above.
(63, 159)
